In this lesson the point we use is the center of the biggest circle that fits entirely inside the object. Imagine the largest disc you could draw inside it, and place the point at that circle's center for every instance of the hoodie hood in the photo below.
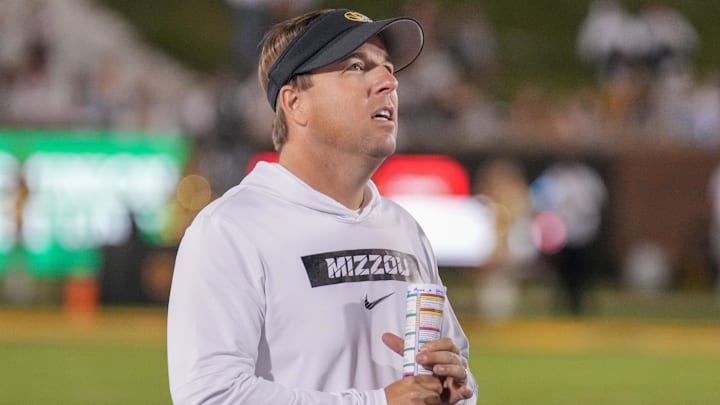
(273, 179)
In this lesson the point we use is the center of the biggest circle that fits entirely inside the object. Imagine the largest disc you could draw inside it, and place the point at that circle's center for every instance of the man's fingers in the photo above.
(441, 345)
(456, 372)
(461, 392)
(465, 392)
(428, 359)
(394, 342)
(456, 391)
(443, 357)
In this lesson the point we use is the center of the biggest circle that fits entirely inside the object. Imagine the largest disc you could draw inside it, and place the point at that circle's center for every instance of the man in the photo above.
(290, 288)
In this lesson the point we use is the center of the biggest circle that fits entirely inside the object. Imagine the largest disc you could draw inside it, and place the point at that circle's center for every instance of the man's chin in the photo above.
(383, 153)
(385, 149)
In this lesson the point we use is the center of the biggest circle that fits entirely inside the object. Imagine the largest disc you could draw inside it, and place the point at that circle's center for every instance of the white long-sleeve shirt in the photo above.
(273, 292)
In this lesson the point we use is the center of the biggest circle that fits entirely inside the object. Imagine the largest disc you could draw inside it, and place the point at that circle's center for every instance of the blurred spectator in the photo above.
(437, 97)
(569, 198)
(647, 268)
(610, 39)
(671, 98)
(121, 268)
(576, 119)
(673, 39)
(36, 95)
(198, 112)
(706, 113)
(241, 122)
(618, 45)
(687, 109)
(73, 64)
(503, 184)
(530, 116)
(647, 81)
(428, 91)
(471, 40)
(625, 98)
(251, 18)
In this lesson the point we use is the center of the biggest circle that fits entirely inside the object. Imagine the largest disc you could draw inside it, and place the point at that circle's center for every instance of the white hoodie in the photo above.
(273, 292)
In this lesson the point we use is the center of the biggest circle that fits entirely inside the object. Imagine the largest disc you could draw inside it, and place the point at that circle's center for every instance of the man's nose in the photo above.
(385, 81)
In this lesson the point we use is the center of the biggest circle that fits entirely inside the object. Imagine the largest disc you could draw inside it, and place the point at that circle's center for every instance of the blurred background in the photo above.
(563, 157)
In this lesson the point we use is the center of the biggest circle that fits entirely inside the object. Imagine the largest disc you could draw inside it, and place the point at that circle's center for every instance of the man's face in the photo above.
(352, 105)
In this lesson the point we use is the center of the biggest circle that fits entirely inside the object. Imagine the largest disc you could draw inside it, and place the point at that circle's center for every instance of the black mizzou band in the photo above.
(348, 266)
(334, 35)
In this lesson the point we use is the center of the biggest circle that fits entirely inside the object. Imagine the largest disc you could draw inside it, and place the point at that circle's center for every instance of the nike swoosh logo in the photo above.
(371, 304)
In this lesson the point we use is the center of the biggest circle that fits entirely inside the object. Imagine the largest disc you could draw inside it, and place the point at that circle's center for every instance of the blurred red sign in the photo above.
(409, 174)
(422, 175)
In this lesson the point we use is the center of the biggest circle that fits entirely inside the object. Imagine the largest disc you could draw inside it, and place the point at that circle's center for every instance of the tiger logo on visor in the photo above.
(357, 17)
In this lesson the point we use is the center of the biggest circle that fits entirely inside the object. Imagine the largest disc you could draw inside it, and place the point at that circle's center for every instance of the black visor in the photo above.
(334, 35)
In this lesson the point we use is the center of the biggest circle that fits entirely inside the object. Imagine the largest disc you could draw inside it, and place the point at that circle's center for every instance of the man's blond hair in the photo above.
(273, 44)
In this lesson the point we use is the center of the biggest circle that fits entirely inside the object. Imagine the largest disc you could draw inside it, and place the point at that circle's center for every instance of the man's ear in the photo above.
(290, 100)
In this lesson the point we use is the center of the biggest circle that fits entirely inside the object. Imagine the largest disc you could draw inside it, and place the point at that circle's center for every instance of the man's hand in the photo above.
(415, 390)
(443, 357)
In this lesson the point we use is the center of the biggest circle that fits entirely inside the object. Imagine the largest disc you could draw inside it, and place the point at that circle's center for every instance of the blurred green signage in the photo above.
(64, 194)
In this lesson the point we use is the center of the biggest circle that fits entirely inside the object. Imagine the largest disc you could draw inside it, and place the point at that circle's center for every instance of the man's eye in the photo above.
(356, 66)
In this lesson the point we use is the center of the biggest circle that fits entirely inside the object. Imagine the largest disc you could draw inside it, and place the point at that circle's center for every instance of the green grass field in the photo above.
(597, 362)
(118, 357)
(45, 372)
(596, 378)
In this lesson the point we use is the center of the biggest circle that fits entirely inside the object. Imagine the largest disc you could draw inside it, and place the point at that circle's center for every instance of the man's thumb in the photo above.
(394, 342)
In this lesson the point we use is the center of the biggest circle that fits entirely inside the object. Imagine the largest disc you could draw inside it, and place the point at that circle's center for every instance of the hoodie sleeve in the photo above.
(451, 326)
(215, 323)
(452, 329)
